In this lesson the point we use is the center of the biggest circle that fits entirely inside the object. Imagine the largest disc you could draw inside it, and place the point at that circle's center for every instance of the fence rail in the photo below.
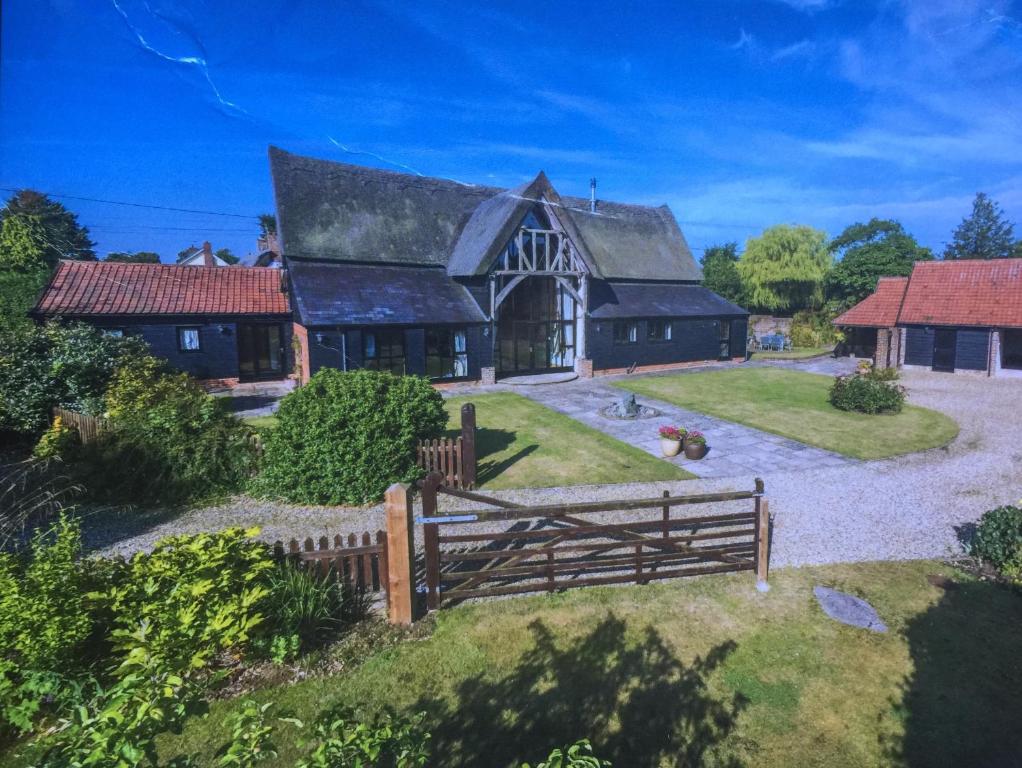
(454, 458)
(89, 427)
(360, 561)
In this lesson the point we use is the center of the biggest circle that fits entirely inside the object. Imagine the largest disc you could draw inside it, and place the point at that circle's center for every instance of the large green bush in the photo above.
(868, 391)
(345, 436)
(169, 441)
(998, 541)
(811, 328)
(56, 365)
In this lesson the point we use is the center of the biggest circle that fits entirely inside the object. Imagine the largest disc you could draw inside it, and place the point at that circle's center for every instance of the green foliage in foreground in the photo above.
(797, 405)
(18, 293)
(345, 437)
(998, 541)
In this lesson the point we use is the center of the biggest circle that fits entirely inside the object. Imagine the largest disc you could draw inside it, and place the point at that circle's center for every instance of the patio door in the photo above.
(260, 351)
(725, 340)
(945, 343)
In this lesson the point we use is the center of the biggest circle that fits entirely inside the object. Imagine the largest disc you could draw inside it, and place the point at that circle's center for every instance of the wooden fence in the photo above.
(454, 459)
(559, 548)
(89, 427)
(362, 564)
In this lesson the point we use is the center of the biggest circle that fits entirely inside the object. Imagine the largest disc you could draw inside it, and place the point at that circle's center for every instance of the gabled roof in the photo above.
(334, 293)
(977, 293)
(619, 300)
(98, 288)
(879, 309)
(340, 212)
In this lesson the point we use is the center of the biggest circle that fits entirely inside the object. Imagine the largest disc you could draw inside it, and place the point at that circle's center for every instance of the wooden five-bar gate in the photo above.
(507, 548)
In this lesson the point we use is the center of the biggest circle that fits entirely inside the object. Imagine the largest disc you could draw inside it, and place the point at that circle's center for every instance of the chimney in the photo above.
(207, 255)
(592, 195)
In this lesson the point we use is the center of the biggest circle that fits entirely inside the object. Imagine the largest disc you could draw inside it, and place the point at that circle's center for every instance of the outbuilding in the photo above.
(948, 316)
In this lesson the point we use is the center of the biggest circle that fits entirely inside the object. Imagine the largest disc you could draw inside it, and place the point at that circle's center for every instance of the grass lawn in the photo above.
(261, 423)
(521, 444)
(799, 353)
(701, 672)
(795, 405)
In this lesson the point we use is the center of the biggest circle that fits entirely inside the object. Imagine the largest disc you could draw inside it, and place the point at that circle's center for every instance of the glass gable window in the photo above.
(659, 330)
(446, 353)
(384, 351)
(188, 339)
(626, 332)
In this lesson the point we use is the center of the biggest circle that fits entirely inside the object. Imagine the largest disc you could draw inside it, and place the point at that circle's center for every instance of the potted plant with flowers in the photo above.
(695, 445)
(670, 439)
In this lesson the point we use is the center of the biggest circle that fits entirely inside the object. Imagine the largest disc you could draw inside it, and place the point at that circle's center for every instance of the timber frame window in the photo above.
(384, 351)
(188, 338)
(626, 332)
(446, 353)
(659, 330)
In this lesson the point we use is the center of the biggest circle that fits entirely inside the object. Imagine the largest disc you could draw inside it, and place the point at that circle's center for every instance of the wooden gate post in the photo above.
(400, 552)
(468, 446)
(762, 544)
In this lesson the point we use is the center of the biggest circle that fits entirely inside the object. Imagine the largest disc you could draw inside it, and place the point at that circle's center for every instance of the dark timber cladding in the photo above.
(435, 271)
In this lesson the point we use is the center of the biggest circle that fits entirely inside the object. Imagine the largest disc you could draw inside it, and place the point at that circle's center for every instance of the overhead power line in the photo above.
(141, 205)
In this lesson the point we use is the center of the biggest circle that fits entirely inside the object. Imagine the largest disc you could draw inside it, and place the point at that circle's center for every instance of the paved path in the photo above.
(734, 449)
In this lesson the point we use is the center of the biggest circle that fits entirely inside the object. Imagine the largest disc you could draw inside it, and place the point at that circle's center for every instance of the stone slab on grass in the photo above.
(849, 609)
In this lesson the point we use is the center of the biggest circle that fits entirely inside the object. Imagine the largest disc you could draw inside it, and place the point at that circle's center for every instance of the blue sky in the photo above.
(739, 115)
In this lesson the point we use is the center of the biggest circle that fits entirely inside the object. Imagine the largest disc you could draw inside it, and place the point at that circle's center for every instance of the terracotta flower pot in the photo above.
(695, 451)
(670, 447)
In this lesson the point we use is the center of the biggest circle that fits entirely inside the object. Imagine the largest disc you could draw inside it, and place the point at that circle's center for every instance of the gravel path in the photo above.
(900, 508)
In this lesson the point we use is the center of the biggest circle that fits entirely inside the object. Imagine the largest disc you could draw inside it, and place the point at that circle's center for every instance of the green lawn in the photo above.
(701, 672)
(521, 444)
(795, 405)
(799, 353)
(261, 423)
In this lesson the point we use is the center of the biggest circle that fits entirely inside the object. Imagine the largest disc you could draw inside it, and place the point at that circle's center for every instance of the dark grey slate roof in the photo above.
(612, 300)
(328, 210)
(359, 294)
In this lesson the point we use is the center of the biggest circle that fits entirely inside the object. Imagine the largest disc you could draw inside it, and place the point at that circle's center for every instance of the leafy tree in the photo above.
(1016, 252)
(984, 234)
(138, 257)
(189, 251)
(784, 268)
(226, 255)
(720, 272)
(267, 224)
(62, 236)
(18, 293)
(23, 245)
(867, 252)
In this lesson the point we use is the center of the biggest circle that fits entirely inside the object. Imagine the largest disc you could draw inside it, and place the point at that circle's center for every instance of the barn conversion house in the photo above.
(410, 274)
(952, 316)
(220, 324)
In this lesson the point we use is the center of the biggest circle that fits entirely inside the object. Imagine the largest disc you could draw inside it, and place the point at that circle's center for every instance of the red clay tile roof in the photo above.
(976, 293)
(90, 288)
(879, 309)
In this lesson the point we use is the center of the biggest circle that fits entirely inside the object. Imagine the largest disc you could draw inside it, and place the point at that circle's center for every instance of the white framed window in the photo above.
(189, 338)
(626, 332)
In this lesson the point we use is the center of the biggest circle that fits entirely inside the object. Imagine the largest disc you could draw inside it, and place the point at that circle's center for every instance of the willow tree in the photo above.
(783, 270)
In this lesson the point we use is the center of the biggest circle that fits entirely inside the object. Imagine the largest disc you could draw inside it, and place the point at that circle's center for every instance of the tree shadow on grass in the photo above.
(962, 704)
(637, 702)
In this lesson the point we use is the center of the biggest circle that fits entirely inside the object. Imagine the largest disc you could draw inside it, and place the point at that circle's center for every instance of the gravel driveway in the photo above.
(901, 508)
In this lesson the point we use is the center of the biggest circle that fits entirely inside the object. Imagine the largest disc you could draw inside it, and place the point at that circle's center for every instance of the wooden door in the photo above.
(945, 343)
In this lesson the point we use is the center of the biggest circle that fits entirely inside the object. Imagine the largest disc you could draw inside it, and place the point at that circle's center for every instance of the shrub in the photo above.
(578, 755)
(192, 598)
(56, 365)
(998, 541)
(868, 391)
(57, 442)
(345, 436)
(50, 631)
(813, 328)
(340, 738)
(169, 441)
